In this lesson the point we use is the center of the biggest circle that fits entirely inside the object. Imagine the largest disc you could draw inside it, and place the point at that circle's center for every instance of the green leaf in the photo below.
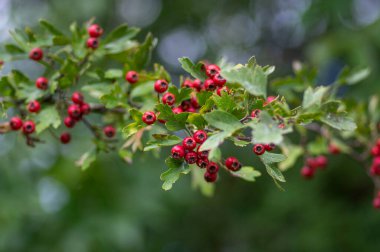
(318, 146)
(181, 94)
(353, 77)
(247, 173)
(162, 140)
(251, 76)
(275, 173)
(13, 49)
(197, 120)
(271, 158)
(292, 153)
(195, 70)
(223, 120)
(178, 122)
(136, 115)
(225, 102)
(50, 28)
(142, 89)
(266, 130)
(86, 159)
(176, 168)
(339, 121)
(313, 97)
(131, 129)
(123, 32)
(215, 140)
(203, 97)
(198, 182)
(47, 117)
(113, 74)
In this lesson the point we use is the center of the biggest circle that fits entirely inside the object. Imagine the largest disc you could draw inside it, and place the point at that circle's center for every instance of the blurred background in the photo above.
(48, 204)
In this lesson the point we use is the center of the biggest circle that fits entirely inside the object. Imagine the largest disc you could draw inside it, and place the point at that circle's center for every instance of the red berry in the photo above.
(202, 154)
(65, 137)
(15, 123)
(77, 98)
(212, 167)
(210, 177)
(219, 80)
(307, 172)
(178, 152)
(321, 161)
(168, 99)
(202, 162)
(258, 149)
(95, 31)
(312, 162)
(191, 110)
(209, 85)
(36, 54)
(74, 111)
(191, 157)
(375, 151)
(269, 147)
(197, 84)
(222, 89)
(69, 122)
(132, 77)
(185, 105)
(255, 113)
(333, 149)
(232, 164)
(200, 136)
(177, 110)
(271, 98)
(42, 83)
(85, 108)
(92, 43)
(189, 143)
(194, 101)
(34, 106)
(187, 83)
(28, 127)
(212, 70)
(376, 203)
(149, 117)
(109, 131)
(161, 86)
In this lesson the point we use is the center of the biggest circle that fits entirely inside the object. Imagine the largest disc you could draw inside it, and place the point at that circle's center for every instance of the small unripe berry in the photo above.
(219, 80)
(307, 172)
(333, 149)
(209, 85)
(95, 31)
(177, 110)
(69, 122)
(160, 86)
(189, 143)
(210, 177)
(212, 167)
(15, 123)
(200, 136)
(36, 54)
(34, 106)
(42, 83)
(202, 154)
(85, 108)
(191, 157)
(77, 98)
(376, 203)
(269, 100)
(65, 137)
(149, 117)
(109, 131)
(202, 162)
(132, 77)
(28, 127)
(74, 111)
(258, 149)
(232, 164)
(92, 43)
(197, 84)
(212, 70)
(255, 113)
(178, 152)
(168, 99)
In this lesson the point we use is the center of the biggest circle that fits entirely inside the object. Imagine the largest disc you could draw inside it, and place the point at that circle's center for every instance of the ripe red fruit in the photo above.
(321, 161)
(168, 99)
(197, 84)
(194, 101)
(109, 131)
(149, 117)
(307, 172)
(189, 143)
(312, 162)
(212, 167)
(77, 98)
(258, 149)
(15, 123)
(255, 113)
(191, 110)
(42, 83)
(222, 89)
(92, 43)
(69, 122)
(200, 136)
(85, 108)
(333, 149)
(202, 154)
(74, 111)
(191, 157)
(160, 86)
(202, 162)
(212, 70)
(95, 31)
(375, 151)
(185, 105)
(210, 177)
(187, 83)
(34, 106)
(65, 137)
(219, 80)
(177, 110)
(269, 147)
(28, 127)
(232, 164)
(132, 77)
(178, 152)
(376, 203)
(209, 85)
(36, 54)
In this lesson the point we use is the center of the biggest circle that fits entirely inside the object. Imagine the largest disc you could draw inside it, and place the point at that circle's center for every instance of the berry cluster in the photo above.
(375, 166)
(311, 166)
(94, 31)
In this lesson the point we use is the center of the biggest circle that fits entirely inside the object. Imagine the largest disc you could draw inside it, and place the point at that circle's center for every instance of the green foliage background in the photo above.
(48, 204)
